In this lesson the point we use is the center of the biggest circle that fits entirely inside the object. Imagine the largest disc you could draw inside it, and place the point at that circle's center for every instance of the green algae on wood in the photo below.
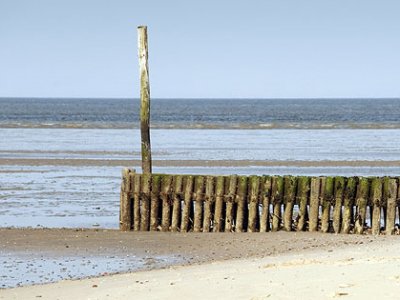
(289, 195)
(266, 182)
(253, 196)
(241, 203)
(303, 189)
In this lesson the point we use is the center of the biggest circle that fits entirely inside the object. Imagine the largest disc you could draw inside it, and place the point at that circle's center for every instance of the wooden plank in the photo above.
(276, 199)
(198, 209)
(289, 198)
(241, 202)
(208, 204)
(125, 222)
(327, 199)
(166, 199)
(155, 203)
(219, 204)
(145, 202)
(361, 203)
(177, 201)
(229, 200)
(390, 192)
(254, 191)
(339, 186)
(376, 198)
(314, 203)
(303, 190)
(187, 206)
(266, 201)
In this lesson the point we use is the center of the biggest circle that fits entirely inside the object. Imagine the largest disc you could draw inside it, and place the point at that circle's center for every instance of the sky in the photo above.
(201, 49)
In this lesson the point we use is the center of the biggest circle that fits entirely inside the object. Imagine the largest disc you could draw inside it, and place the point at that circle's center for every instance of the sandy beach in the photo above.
(199, 266)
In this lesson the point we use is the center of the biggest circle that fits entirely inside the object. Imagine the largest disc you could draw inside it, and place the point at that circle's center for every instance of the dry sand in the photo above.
(236, 266)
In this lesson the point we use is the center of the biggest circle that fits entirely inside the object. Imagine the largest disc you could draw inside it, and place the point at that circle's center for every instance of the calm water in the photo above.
(36, 190)
(202, 113)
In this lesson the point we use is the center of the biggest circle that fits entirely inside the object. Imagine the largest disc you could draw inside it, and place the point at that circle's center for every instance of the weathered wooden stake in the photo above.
(254, 191)
(390, 189)
(176, 208)
(155, 203)
(327, 199)
(187, 206)
(276, 199)
(348, 200)
(303, 189)
(241, 203)
(144, 99)
(376, 198)
(145, 202)
(125, 204)
(266, 200)
(208, 204)
(230, 198)
(166, 202)
(361, 202)
(219, 204)
(338, 199)
(289, 200)
(198, 209)
(136, 201)
(314, 203)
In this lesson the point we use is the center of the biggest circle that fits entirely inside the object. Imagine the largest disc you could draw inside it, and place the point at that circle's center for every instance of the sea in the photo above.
(61, 159)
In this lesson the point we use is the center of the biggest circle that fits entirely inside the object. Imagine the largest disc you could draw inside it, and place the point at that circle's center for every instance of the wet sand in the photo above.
(195, 163)
(107, 251)
(221, 262)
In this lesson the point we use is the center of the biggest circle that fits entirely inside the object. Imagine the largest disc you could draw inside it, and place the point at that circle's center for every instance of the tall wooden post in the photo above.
(144, 99)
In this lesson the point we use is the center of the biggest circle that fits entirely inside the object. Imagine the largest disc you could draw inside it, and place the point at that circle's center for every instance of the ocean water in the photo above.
(202, 113)
(61, 159)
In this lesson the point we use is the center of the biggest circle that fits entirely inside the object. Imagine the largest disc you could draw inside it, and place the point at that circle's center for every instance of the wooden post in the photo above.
(376, 198)
(230, 198)
(219, 204)
(303, 189)
(144, 99)
(314, 203)
(348, 201)
(136, 201)
(241, 203)
(276, 199)
(187, 206)
(289, 200)
(390, 188)
(155, 203)
(176, 208)
(254, 191)
(338, 199)
(125, 222)
(166, 202)
(145, 202)
(361, 202)
(198, 209)
(327, 194)
(208, 204)
(266, 200)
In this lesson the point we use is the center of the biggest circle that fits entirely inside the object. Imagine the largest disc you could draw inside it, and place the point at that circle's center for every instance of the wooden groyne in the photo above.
(162, 202)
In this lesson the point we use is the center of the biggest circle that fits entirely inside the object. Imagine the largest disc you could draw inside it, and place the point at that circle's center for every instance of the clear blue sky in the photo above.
(267, 49)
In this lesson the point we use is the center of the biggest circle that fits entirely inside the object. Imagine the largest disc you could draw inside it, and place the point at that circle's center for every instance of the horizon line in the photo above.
(207, 98)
